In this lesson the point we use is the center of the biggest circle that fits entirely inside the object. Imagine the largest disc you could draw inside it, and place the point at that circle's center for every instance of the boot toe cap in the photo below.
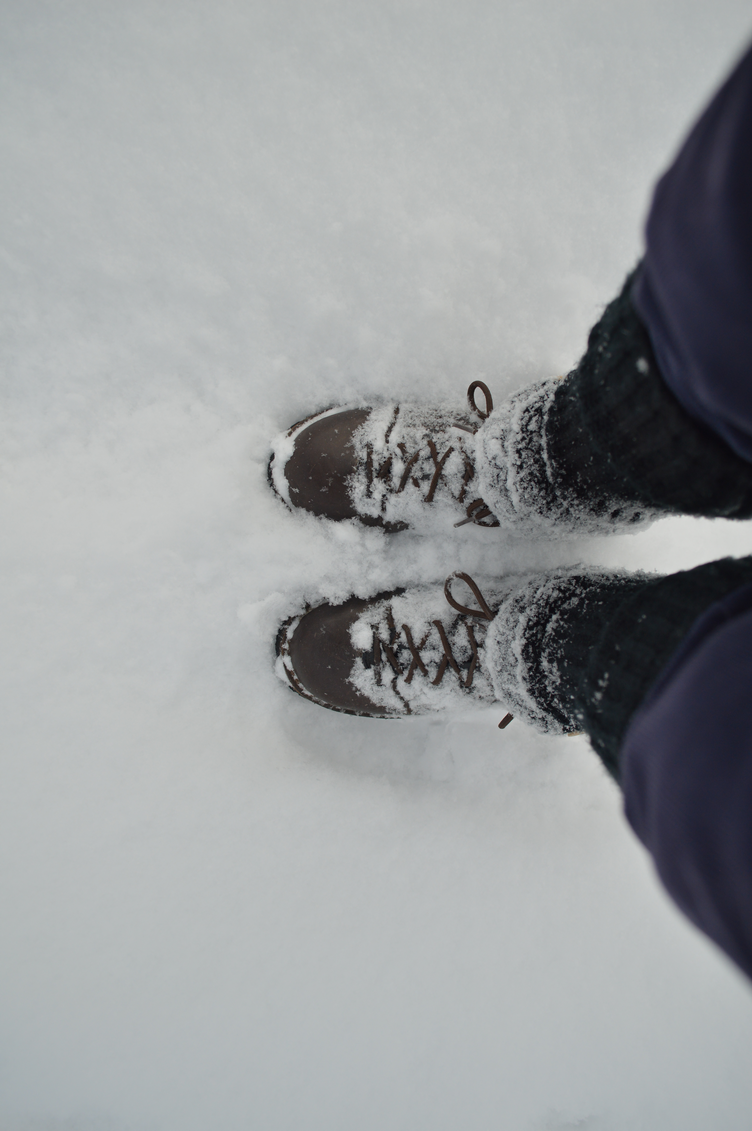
(321, 656)
(322, 460)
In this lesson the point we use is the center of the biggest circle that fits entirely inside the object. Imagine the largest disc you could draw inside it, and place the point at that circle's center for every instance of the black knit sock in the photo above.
(593, 648)
(617, 437)
(563, 624)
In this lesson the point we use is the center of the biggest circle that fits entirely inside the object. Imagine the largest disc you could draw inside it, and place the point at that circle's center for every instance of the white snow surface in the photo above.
(222, 906)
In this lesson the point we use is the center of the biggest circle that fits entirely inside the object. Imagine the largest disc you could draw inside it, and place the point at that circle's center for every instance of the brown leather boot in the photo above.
(525, 641)
(401, 653)
(393, 466)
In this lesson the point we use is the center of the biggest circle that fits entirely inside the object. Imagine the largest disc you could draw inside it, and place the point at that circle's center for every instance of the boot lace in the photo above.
(391, 652)
(476, 510)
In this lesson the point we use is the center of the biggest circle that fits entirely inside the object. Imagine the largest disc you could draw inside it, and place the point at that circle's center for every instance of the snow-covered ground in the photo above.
(223, 907)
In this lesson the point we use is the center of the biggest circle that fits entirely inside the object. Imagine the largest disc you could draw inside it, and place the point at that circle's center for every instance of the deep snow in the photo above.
(223, 907)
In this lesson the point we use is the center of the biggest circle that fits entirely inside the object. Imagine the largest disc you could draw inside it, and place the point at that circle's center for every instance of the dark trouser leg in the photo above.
(593, 644)
(658, 672)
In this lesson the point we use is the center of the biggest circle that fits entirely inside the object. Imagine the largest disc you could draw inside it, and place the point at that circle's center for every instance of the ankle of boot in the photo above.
(512, 464)
(576, 650)
(539, 644)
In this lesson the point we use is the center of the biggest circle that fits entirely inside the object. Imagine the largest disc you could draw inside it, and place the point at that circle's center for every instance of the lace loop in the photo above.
(484, 612)
(487, 395)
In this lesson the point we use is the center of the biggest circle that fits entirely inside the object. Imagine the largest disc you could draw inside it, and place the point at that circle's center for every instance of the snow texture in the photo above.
(415, 691)
(415, 465)
(222, 906)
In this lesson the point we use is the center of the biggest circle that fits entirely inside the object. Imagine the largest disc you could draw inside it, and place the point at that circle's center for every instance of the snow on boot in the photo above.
(393, 466)
(522, 481)
(409, 652)
(421, 651)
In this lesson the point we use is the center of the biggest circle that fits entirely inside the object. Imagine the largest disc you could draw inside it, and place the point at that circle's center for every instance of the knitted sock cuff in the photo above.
(539, 643)
(578, 649)
(518, 481)
(637, 642)
(618, 437)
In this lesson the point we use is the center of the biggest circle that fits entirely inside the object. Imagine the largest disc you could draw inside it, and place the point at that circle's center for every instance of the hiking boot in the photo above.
(420, 651)
(392, 466)
(525, 466)
(407, 652)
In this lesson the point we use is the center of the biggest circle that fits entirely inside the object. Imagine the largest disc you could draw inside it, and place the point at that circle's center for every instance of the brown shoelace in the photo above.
(387, 650)
(477, 511)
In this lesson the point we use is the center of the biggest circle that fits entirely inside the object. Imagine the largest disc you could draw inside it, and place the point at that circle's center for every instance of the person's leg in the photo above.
(686, 757)
(658, 673)
(657, 416)
(686, 771)
(659, 676)
(604, 449)
(593, 644)
(609, 445)
(694, 293)
(644, 665)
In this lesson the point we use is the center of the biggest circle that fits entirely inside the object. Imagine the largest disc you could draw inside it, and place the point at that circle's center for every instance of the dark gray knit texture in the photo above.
(561, 630)
(616, 432)
(600, 643)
